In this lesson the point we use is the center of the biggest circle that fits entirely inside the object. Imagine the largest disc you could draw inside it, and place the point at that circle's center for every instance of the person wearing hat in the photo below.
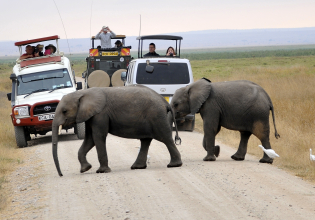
(105, 36)
(118, 44)
(40, 48)
(50, 49)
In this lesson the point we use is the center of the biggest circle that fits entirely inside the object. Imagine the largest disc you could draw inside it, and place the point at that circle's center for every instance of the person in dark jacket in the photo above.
(152, 52)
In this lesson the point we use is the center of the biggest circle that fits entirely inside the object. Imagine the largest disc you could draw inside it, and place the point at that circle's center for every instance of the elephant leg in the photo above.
(141, 161)
(242, 148)
(266, 159)
(176, 160)
(86, 146)
(262, 131)
(216, 148)
(99, 132)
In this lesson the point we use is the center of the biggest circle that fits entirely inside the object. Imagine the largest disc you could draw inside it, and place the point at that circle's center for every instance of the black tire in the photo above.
(20, 136)
(79, 130)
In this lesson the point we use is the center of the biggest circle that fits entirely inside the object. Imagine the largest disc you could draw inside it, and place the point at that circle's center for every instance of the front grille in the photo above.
(47, 108)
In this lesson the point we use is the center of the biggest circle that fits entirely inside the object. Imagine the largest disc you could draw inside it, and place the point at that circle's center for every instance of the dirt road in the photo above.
(224, 189)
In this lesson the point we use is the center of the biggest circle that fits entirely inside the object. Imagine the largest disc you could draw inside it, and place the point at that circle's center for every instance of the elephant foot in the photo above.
(209, 158)
(138, 166)
(103, 170)
(266, 160)
(85, 167)
(237, 158)
(177, 163)
(217, 150)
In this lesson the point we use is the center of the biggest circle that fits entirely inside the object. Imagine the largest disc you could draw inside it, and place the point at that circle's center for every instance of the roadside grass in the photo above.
(9, 157)
(290, 82)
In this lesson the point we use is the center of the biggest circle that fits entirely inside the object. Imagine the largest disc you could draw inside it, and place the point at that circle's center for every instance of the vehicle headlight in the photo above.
(21, 112)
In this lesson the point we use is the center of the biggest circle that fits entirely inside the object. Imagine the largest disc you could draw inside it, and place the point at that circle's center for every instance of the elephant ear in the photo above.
(198, 93)
(90, 103)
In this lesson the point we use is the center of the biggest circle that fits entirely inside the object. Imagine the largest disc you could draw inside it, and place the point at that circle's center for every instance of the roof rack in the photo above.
(158, 37)
(26, 42)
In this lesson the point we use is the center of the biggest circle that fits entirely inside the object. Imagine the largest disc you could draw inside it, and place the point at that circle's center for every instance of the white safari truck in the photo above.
(164, 74)
(38, 84)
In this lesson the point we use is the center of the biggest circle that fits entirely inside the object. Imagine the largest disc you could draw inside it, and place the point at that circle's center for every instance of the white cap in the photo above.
(104, 27)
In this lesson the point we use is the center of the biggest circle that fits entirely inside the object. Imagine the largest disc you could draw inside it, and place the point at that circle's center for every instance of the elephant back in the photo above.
(116, 78)
(98, 78)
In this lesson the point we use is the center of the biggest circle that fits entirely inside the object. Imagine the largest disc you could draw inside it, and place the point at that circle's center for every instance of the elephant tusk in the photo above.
(59, 131)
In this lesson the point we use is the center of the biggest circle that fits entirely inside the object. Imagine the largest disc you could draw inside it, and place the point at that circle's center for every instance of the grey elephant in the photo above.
(135, 112)
(236, 105)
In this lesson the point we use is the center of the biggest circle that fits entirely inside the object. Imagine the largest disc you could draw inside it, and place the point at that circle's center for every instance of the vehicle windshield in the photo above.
(41, 81)
(109, 66)
(164, 73)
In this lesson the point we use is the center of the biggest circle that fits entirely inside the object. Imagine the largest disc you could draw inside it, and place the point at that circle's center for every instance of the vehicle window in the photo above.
(164, 73)
(43, 80)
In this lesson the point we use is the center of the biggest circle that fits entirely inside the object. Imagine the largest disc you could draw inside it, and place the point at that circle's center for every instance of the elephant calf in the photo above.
(135, 112)
(236, 105)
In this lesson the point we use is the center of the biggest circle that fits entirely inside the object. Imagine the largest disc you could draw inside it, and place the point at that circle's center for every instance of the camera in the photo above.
(171, 54)
(36, 50)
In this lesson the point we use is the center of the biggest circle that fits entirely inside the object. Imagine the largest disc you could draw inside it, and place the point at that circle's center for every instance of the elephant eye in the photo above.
(175, 105)
(64, 111)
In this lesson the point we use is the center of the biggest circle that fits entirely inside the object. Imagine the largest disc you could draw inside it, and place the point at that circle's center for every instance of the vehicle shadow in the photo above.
(47, 139)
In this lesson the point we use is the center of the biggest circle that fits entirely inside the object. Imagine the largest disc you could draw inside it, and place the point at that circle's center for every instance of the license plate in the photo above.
(167, 99)
(110, 53)
(46, 117)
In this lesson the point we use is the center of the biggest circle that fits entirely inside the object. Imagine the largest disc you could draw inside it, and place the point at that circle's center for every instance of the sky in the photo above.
(22, 20)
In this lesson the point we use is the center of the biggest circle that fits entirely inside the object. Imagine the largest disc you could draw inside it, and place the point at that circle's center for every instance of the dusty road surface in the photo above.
(224, 189)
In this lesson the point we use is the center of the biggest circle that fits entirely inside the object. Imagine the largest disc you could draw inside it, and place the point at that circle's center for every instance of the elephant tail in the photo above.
(178, 140)
(277, 135)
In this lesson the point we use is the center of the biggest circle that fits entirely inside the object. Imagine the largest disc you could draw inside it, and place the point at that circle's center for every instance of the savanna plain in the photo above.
(289, 79)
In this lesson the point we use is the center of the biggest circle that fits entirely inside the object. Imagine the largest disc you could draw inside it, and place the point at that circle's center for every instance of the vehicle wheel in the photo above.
(20, 136)
(79, 130)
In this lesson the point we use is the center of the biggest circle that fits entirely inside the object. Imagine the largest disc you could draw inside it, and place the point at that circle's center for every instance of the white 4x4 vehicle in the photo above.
(163, 74)
(38, 84)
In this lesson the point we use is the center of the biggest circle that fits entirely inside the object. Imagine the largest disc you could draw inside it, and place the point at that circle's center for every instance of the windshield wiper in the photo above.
(37, 90)
(59, 88)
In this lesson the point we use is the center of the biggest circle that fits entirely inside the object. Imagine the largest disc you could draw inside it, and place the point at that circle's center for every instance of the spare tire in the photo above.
(98, 78)
(116, 78)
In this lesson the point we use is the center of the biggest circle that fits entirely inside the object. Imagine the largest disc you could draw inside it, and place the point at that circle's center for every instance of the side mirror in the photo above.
(124, 76)
(9, 96)
(84, 74)
(79, 85)
(149, 68)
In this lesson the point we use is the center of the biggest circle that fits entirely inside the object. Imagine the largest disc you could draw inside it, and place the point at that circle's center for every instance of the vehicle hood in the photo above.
(42, 96)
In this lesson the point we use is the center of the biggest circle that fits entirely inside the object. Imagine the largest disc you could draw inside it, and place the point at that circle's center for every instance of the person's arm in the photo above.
(98, 35)
(112, 34)
(25, 56)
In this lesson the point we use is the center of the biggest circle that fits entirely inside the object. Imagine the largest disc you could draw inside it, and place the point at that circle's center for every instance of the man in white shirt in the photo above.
(105, 36)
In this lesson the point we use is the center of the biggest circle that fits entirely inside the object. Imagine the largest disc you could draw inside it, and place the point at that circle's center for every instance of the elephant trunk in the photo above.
(55, 133)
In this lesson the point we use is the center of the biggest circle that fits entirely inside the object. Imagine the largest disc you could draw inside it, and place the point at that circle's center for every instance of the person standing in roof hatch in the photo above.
(105, 35)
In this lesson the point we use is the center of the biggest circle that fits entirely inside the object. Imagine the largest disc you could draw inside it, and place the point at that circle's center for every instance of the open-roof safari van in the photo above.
(104, 65)
(38, 84)
(164, 74)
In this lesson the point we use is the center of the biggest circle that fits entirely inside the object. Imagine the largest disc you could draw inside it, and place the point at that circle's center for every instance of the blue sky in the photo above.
(20, 20)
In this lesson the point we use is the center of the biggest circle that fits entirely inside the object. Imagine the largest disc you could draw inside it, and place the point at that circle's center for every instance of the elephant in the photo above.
(236, 105)
(135, 112)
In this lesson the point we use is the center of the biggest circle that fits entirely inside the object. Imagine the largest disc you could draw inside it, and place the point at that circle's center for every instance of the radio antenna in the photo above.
(63, 27)
(91, 22)
(140, 26)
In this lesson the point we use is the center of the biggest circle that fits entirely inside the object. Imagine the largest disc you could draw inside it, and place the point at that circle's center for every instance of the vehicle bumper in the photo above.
(33, 121)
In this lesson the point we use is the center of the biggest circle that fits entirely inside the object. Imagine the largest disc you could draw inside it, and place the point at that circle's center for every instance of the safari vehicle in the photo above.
(104, 65)
(38, 84)
(163, 74)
